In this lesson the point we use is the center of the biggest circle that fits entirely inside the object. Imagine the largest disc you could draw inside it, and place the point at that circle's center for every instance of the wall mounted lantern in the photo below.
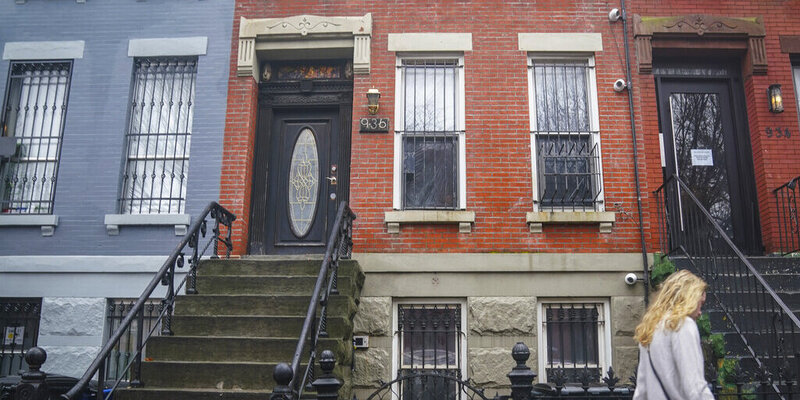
(372, 100)
(775, 99)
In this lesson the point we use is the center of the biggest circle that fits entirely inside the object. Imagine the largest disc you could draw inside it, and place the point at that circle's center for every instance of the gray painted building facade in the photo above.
(89, 247)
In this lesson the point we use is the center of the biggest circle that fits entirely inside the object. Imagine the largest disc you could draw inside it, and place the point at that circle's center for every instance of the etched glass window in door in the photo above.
(303, 183)
(700, 152)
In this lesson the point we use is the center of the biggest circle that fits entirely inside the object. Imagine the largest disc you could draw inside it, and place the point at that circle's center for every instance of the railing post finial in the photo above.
(283, 376)
(33, 385)
(521, 376)
(327, 385)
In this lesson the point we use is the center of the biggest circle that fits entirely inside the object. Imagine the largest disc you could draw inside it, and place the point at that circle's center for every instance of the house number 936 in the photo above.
(778, 133)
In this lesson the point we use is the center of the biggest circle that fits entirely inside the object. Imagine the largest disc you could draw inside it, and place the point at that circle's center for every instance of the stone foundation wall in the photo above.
(71, 331)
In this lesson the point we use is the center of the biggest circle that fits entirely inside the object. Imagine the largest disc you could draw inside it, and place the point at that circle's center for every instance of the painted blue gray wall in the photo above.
(93, 137)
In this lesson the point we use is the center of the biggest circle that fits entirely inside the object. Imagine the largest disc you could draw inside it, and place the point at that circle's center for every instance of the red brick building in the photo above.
(495, 184)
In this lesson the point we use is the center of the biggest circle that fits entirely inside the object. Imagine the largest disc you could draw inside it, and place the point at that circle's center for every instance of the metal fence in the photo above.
(788, 220)
(125, 347)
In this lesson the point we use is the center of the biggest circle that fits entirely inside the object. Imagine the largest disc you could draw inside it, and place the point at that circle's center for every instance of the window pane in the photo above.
(159, 136)
(34, 115)
(429, 336)
(572, 339)
(430, 136)
(562, 101)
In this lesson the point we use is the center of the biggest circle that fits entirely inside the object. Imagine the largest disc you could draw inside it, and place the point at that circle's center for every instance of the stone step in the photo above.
(273, 305)
(762, 344)
(267, 284)
(771, 265)
(236, 349)
(147, 393)
(280, 267)
(757, 300)
(252, 325)
(238, 375)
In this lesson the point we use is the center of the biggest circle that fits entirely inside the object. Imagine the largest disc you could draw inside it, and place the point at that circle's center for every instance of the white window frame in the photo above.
(399, 125)
(397, 345)
(594, 121)
(796, 80)
(603, 332)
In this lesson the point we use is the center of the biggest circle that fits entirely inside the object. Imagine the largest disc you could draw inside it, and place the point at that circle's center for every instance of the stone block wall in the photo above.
(71, 331)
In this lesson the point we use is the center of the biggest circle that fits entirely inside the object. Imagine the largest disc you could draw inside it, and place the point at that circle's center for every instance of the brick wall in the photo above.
(498, 154)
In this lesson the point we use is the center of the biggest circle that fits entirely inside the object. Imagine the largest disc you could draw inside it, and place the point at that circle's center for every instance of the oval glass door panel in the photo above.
(303, 183)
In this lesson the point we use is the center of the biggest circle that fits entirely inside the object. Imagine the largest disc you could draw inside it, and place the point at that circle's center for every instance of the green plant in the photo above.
(717, 342)
(704, 325)
(662, 268)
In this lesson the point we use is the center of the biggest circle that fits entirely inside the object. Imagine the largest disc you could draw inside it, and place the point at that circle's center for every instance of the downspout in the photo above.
(645, 266)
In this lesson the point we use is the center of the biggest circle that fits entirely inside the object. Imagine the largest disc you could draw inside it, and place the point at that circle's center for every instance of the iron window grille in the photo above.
(19, 324)
(429, 134)
(565, 141)
(573, 340)
(34, 114)
(125, 349)
(430, 339)
(159, 136)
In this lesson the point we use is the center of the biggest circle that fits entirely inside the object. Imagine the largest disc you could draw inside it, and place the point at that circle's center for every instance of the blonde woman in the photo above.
(670, 356)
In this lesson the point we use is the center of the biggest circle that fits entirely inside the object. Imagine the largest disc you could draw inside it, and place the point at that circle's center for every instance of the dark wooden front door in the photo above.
(707, 146)
(302, 179)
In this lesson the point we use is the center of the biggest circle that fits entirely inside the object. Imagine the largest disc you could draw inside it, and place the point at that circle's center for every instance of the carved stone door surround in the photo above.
(700, 31)
(303, 32)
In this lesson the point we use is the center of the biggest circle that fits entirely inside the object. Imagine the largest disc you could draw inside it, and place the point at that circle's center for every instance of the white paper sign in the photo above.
(702, 158)
(14, 335)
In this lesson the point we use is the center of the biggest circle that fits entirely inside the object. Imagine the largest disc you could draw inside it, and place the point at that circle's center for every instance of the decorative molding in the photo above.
(301, 31)
(561, 42)
(694, 27)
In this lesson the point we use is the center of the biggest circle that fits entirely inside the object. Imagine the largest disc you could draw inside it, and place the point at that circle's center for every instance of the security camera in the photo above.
(620, 85)
(631, 278)
(614, 15)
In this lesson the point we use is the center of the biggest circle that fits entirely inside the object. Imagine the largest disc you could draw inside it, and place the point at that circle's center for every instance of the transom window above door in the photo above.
(565, 141)
(429, 134)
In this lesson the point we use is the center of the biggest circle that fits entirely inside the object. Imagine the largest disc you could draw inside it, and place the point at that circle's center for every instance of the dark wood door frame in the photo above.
(743, 150)
(287, 96)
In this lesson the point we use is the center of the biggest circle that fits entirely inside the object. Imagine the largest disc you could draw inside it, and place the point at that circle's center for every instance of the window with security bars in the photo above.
(159, 136)
(429, 131)
(564, 135)
(35, 109)
(124, 351)
(19, 324)
(430, 342)
(573, 340)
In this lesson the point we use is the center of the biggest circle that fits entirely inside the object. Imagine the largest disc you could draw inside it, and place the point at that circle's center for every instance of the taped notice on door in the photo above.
(702, 158)
(14, 335)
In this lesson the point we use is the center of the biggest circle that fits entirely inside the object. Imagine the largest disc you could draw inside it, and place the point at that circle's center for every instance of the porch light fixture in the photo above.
(372, 101)
(775, 98)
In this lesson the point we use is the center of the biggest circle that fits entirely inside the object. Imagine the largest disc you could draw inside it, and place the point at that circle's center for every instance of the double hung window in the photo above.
(34, 114)
(159, 136)
(429, 134)
(573, 340)
(565, 140)
(430, 343)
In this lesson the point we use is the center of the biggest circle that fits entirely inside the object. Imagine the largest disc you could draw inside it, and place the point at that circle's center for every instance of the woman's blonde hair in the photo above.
(677, 299)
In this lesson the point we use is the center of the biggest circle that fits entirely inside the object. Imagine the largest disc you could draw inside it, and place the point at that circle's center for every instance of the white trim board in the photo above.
(50, 50)
(184, 46)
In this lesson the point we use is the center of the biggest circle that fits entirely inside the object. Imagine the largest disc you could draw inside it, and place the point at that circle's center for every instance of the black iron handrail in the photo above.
(788, 218)
(340, 245)
(166, 277)
(758, 315)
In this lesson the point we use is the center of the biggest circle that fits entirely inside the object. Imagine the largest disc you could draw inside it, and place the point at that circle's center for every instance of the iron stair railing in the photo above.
(340, 246)
(767, 327)
(165, 277)
(786, 211)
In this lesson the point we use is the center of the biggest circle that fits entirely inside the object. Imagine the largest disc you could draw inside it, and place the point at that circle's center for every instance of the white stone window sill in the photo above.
(464, 219)
(47, 222)
(604, 219)
(180, 221)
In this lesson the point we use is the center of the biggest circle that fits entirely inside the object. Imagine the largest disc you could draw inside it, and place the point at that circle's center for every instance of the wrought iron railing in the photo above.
(786, 210)
(126, 345)
(769, 331)
(166, 277)
(340, 246)
(568, 171)
(19, 325)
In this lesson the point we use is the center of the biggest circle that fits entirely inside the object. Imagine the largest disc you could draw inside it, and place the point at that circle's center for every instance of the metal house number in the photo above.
(374, 125)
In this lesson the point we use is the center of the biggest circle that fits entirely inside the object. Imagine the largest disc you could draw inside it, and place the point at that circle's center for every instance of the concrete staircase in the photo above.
(245, 320)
